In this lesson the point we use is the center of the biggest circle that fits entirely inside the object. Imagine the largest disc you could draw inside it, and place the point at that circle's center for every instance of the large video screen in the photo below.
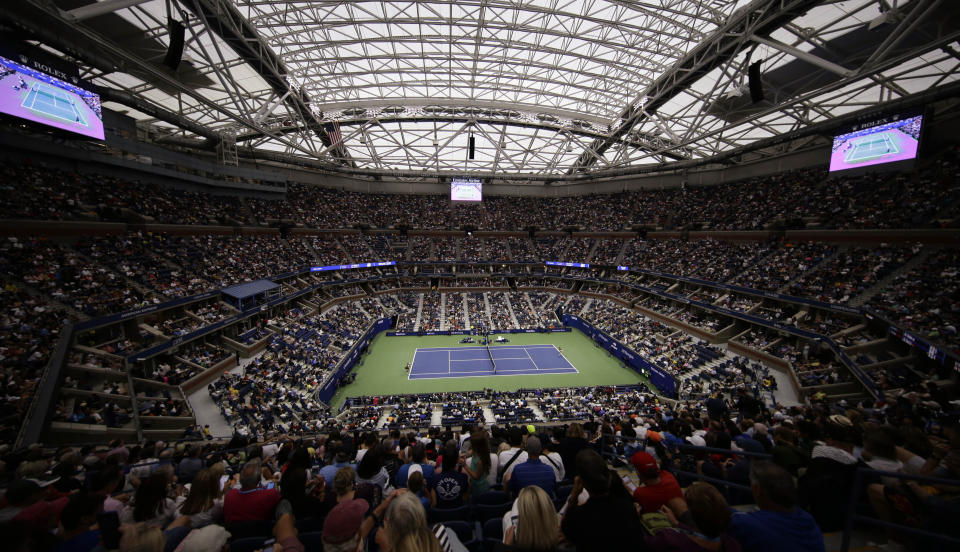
(39, 97)
(893, 139)
(466, 189)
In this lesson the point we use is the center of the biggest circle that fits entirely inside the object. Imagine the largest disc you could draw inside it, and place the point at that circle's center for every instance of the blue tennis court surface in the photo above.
(51, 101)
(508, 360)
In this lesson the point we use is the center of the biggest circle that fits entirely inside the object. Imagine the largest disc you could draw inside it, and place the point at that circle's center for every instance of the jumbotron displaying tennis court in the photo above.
(504, 360)
(53, 102)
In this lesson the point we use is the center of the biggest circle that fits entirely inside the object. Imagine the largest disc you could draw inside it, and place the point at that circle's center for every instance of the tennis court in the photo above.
(872, 147)
(50, 101)
(507, 360)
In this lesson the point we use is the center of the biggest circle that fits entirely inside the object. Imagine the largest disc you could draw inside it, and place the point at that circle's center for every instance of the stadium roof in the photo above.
(551, 89)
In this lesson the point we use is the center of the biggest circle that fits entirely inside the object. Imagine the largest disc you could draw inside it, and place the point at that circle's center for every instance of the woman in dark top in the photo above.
(574, 442)
(449, 488)
(304, 493)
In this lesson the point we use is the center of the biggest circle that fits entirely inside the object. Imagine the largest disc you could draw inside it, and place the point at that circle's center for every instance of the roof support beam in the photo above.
(100, 8)
(760, 18)
(805, 56)
(223, 20)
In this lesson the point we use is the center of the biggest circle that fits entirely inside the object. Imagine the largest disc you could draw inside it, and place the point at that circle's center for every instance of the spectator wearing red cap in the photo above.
(658, 487)
(341, 528)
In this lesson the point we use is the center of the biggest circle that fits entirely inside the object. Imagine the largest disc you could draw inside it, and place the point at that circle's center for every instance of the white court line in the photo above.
(526, 352)
(565, 359)
(412, 363)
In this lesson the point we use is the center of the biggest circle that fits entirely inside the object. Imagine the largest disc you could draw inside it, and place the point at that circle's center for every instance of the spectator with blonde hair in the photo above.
(405, 529)
(535, 526)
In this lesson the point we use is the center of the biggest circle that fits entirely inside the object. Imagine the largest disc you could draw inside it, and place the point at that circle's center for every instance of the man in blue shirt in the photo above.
(531, 472)
(417, 455)
(779, 524)
(330, 470)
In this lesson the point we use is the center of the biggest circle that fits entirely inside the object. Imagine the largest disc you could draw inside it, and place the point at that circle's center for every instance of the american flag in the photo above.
(333, 131)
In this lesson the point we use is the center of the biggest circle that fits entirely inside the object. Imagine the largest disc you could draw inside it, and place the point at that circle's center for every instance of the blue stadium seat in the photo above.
(441, 515)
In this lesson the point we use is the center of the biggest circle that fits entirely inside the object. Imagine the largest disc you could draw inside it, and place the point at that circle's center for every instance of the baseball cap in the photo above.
(645, 464)
(344, 520)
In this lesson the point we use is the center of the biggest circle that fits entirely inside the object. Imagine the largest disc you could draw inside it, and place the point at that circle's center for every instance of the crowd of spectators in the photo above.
(926, 299)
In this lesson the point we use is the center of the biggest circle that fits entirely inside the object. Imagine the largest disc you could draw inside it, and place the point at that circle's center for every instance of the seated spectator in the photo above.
(658, 487)
(785, 451)
(250, 502)
(779, 524)
(204, 504)
(703, 527)
(78, 523)
(191, 465)
(341, 528)
(417, 485)
(534, 526)
(450, 487)
(151, 503)
(418, 456)
(339, 461)
(531, 472)
(605, 508)
(405, 528)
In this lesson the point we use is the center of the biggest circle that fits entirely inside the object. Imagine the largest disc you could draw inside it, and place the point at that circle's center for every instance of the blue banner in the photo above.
(666, 383)
(574, 265)
(349, 266)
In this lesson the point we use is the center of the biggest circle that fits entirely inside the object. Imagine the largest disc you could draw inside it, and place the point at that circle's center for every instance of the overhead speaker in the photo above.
(175, 51)
(471, 143)
(756, 86)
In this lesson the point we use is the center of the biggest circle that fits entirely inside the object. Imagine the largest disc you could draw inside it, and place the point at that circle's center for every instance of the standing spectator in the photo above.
(531, 472)
(449, 488)
(570, 447)
(511, 456)
(825, 487)
(551, 457)
(371, 470)
(779, 524)
(479, 465)
(605, 508)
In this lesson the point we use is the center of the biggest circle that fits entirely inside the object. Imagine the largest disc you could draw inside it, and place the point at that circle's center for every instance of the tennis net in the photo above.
(493, 362)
